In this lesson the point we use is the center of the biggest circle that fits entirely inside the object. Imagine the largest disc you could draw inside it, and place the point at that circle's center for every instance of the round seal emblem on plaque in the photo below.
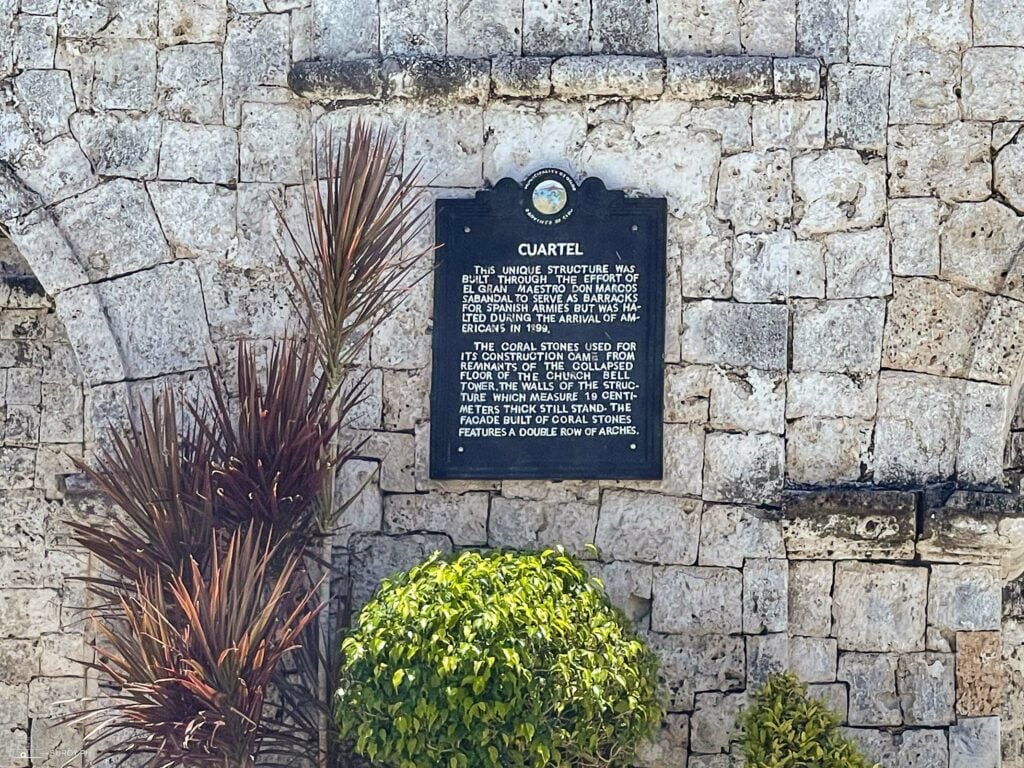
(549, 196)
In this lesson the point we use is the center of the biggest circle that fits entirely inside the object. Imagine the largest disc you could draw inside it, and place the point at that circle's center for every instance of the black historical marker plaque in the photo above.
(549, 306)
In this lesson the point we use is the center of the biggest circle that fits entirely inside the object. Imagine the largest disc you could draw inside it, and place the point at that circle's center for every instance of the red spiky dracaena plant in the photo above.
(193, 658)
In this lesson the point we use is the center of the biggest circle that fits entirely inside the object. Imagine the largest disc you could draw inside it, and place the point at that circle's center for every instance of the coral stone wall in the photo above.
(845, 333)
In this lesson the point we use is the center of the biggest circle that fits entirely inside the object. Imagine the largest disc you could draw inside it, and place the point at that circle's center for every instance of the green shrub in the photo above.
(785, 727)
(495, 660)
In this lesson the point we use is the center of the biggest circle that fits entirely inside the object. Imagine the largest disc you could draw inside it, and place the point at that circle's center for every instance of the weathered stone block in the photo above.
(810, 597)
(126, 75)
(776, 266)
(836, 191)
(993, 85)
(916, 432)
(965, 598)
(204, 153)
(827, 451)
(981, 448)
(846, 524)
(118, 144)
(768, 27)
(923, 85)
(813, 659)
(628, 586)
(744, 335)
(555, 27)
(697, 600)
(257, 52)
(697, 78)
(821, 29)
(858, 106)
(789, 124)
(922, 748)
(932, 326)
(796, 78)
(979, 244)
(980, 679)
(189, 83)
(531, 525)
(515, 132)
(767, 655)
(998, 22)
(974, 743)
(484, 27)
(415, 28)
(275, 143)
(952, 162)
(743, 468)
(730, 535)
(925, 683)
(831, 395)
(1000, 336)
(857, 264)
(193, 21)
(691, 663)
(462, 517)
(695, 27)
(840, 336)
(872, 681)
(621, 26)
(46, 100)
(914, 225)
(113, 229)
(880, 608)
(755, 190)
(60, 171)
(35, 42)
(713, 722)
(627, 76)
(345, 30)
(521, 77)
(765, 594)
(749, 401)
(687, 393)
(197, 218)
(648, 527)
(447, 143)
(152, 315)
(702, 246)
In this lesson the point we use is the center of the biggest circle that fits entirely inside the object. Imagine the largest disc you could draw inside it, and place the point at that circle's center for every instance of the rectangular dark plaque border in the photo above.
(449, 217)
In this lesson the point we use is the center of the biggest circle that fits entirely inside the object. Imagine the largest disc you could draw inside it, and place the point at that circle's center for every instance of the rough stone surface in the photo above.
(980, 685)
(734, 334)
(858, 106)
(648, 528)
(880, 607)
(836, 191)
(697, 600)
(755, 191)
(872, 681)
(951, 162)
(926, 686)
(974, 743)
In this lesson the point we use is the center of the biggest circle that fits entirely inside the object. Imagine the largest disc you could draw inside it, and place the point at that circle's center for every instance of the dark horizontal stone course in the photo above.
(460, 79)
(853, 502)
(423, 78)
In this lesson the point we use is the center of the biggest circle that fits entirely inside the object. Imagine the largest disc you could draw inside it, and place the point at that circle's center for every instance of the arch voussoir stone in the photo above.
(45, 248)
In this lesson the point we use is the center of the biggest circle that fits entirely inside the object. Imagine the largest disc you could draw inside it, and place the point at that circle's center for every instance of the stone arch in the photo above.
(34, 231)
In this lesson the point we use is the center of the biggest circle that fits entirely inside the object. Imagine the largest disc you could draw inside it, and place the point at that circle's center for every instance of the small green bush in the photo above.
(785, 727)
(495, 660)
